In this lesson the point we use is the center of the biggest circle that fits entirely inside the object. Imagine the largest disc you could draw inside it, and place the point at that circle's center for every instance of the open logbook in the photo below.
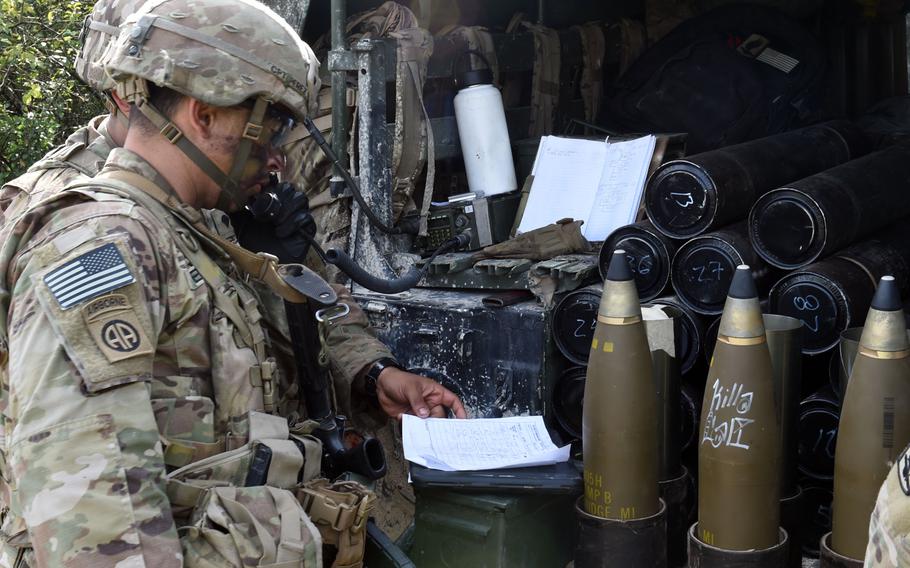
(597, 181)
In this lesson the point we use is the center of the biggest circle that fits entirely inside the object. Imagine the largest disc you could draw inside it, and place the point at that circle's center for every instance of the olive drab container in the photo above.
(697, 194)
(784, 336)
(622, 520)
(874, 425)
(739, 444)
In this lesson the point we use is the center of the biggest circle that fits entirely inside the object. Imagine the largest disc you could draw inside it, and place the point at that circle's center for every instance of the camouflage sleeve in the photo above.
(352, 349)
(351, 344)
(83, 452)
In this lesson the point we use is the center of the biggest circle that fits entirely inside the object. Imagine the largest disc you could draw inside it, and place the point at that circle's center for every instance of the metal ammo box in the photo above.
(500, 361)
(495, 519)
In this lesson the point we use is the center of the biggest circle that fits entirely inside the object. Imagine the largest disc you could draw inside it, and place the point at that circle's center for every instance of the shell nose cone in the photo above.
(743, 285)
(887, 296)
(619, 269)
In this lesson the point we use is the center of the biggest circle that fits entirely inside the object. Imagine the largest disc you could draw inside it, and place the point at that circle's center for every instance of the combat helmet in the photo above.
(99, 30)
(221, 52)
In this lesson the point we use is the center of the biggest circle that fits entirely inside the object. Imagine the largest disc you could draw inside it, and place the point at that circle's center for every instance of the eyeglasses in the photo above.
(275, 125)
(280, 123)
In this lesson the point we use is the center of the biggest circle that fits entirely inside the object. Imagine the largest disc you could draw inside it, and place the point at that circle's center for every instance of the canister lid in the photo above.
(474, 77)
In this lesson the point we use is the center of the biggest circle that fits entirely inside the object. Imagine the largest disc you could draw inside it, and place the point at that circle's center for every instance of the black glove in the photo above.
(278, 222)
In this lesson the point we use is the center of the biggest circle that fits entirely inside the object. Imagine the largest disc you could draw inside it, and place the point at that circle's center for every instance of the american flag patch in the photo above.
(88, 276)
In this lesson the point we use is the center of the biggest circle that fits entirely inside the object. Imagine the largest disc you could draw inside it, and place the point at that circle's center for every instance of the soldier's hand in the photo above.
(401, 392)
(281, 228)
(294, 216)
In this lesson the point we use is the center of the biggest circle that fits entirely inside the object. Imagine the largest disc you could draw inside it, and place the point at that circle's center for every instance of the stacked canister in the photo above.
(764, 260)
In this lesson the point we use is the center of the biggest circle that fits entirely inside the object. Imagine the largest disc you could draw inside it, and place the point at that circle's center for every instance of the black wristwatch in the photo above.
(371, 379)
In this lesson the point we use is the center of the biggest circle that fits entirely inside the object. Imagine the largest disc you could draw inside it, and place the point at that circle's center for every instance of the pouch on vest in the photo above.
(340, 511)
(251, 526)
(187, 428)
(291, 459)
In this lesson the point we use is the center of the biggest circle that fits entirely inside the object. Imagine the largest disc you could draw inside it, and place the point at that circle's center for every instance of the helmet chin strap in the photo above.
(135, 90)
(252, 134)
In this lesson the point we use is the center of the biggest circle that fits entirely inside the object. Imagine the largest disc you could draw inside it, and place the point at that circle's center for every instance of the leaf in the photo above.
(42, 99)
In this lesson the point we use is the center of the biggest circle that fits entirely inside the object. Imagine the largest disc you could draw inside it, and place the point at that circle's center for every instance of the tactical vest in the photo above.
(311, 511)
(239, 346)
(210, 467)
(544, 77)
(593, 45)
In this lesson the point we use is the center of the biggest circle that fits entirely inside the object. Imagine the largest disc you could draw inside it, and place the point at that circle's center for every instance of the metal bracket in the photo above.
(139, 34)
(342, 60)
(171, 132)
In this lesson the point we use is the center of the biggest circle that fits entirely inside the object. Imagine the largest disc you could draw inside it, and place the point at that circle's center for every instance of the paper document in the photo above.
(621, 184)
(483, 443)
(565, 182)
(597, 181)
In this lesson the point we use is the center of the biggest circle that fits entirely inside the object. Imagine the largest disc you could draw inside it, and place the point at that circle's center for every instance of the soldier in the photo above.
(134, 339)
(889, 529)
(363, 357)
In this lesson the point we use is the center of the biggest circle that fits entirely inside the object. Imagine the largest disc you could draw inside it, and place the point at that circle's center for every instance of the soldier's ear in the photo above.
(199, 116)
(202, 121)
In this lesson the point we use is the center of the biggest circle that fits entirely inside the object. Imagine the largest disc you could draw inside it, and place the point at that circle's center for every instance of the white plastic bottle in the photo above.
(484, 136)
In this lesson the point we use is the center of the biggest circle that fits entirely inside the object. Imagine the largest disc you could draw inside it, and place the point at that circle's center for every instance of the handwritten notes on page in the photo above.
(599, 182)
(621, 184)
(564, 182)
(483, 443)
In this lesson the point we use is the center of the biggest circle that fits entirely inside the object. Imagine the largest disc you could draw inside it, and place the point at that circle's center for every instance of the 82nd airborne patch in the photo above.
(114, 326)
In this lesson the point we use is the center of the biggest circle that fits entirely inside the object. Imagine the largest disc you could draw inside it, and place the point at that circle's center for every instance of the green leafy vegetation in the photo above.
(42, 98)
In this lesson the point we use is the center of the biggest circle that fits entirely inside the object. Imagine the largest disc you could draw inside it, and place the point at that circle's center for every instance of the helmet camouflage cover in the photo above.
(99, 30)
(221, 52)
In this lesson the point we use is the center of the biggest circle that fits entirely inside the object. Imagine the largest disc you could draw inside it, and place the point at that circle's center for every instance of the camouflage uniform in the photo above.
(103, 395)
(157, 365)
(102, 398)
(889, 529)
(84, 152)
(63, 393)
